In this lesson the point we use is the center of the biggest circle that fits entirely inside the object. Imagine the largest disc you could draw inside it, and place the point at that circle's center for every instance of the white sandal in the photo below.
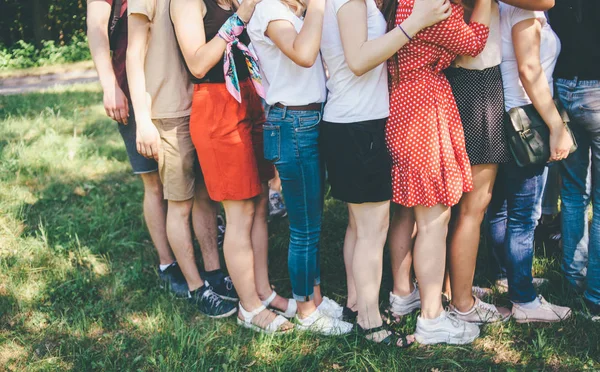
(289, 313)
(271, 328)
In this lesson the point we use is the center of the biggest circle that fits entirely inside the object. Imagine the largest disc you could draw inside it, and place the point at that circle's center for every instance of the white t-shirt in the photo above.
(352, 98)
(514, 93)
(284, 81)
(491, 55)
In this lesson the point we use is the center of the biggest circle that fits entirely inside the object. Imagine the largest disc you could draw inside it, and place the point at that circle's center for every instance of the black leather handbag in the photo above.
(529, 136)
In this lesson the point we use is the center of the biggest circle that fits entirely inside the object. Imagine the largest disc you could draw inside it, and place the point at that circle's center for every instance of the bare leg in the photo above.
(260, 245)
(430, 256)
(155, 214)
(204, 220)
(349, 244)
(239, 256)
(464, 242)
(180, 237)
(372, 222)
(401, 239)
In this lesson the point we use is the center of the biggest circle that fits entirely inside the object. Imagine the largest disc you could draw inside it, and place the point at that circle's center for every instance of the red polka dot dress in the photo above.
(424, 133)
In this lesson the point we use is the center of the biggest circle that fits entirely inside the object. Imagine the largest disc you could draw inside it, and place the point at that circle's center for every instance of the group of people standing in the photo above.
(400, 105)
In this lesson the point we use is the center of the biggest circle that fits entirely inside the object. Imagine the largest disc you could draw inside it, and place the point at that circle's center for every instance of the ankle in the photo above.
(465, 305)
(431, 313)
(369, 323)
(404, 291)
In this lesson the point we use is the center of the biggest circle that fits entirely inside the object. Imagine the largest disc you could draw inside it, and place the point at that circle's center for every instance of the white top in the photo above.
(284, 81)
(514, 93)
(352, 98)
(491, 55)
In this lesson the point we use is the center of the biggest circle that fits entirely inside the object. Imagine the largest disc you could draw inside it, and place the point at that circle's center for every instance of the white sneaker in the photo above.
(400, 306)
(502, 284)
(545, 313)
(482, 313)
(446, 328)
(324, 324)
(331, 308)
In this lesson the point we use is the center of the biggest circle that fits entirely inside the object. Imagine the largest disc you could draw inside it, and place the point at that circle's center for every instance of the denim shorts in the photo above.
(139, 164)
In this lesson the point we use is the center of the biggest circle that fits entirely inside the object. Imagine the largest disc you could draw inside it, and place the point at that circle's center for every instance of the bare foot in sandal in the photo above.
(285, 307)
(263, 320)
(387, 336)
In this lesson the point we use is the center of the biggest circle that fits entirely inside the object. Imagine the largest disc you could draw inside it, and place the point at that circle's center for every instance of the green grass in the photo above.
(78, 287)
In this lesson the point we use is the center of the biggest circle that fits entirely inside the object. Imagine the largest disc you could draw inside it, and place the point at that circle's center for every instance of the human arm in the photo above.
(531, 4)
(363, 55)
(459, 37)
(147, 136)
(526, 36)
(115, 102)
(301, 47)
(188, 18)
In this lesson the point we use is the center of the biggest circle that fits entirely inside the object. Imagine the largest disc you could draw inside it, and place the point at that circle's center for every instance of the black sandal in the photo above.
(391, 340)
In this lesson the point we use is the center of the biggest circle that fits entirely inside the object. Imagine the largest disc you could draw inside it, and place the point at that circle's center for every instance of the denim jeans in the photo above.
(581, 184)
(291, 142)
(513, 214)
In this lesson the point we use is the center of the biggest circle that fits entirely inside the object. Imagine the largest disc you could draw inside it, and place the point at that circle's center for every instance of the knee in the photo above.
(373, 230)
(241, 217)
(152, 184)
(475, 207)
(435, 225)
(180, 209)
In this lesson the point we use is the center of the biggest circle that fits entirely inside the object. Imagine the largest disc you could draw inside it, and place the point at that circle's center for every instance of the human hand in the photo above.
(116, 104)
(429, 12)
(246, 9)
(147, 139)
(560, 144)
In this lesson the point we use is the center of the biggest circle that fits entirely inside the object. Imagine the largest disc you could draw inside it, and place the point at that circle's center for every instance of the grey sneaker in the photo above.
(276, 207)
(481, 292)
(502, 284)
(447, 328)
(482, 313)
(545, 313)
(400, 306)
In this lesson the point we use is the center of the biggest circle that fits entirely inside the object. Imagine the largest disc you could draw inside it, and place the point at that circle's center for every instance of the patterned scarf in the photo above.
(229, 32)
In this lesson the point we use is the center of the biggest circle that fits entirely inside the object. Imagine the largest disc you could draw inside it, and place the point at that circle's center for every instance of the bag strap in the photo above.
(115, 15)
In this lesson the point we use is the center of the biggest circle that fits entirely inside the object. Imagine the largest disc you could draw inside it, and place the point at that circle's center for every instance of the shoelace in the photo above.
(228, 283)
(453, 319)
(213, 299)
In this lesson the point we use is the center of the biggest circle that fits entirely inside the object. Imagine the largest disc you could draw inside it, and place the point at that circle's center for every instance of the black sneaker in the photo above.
(220, 230)
(173, 279)
(222, 286)
(592, 310)
(211, 304)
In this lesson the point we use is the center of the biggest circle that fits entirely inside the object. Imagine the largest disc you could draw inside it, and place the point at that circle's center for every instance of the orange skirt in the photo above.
(228, 137)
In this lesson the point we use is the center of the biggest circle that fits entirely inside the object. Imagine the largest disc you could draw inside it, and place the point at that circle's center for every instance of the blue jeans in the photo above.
(581, 184)
(291, 142)
(513, 213)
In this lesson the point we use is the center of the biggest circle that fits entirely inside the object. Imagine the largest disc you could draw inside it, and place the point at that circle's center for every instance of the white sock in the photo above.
(531, 305)
(164, 267)
(271, 192)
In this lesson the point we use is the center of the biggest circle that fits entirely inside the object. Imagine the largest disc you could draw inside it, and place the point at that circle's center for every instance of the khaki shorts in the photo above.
(177, 160)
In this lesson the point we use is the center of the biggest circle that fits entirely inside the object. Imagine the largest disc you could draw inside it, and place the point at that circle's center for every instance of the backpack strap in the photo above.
(115, 16)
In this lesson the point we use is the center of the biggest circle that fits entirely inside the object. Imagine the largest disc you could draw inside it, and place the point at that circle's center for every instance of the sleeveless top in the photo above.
(213, 20)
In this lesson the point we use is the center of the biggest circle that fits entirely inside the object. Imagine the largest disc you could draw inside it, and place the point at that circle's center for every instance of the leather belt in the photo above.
(311, 107)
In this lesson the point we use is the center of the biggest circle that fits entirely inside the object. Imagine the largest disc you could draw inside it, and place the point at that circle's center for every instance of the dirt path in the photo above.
(35, 83)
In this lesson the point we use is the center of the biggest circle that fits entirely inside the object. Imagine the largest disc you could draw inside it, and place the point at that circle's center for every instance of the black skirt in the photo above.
(480, 99)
